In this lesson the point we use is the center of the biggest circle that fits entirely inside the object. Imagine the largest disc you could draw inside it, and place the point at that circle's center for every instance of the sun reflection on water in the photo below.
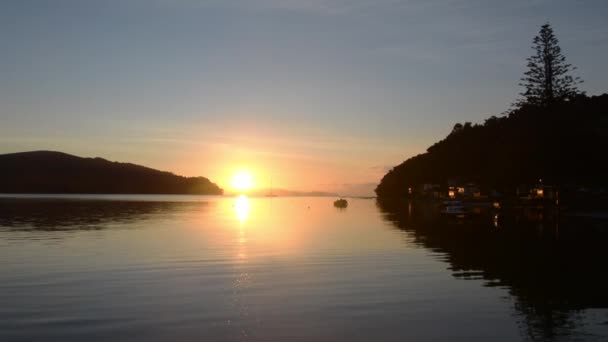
(242, 208)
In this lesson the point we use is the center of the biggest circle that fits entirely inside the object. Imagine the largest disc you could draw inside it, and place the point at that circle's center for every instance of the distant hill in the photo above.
(565, 144)
(286, 192)
(56, 172)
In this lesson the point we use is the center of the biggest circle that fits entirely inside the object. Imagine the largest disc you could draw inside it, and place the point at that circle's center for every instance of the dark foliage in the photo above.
(564, 143)
(55, 172)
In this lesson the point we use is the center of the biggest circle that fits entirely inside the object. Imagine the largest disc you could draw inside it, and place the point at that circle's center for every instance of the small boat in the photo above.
(454, 208)
(341, 203)
(270, 193)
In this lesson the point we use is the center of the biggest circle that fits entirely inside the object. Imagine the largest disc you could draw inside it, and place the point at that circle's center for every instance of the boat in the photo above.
(341, 203)
(454, 208)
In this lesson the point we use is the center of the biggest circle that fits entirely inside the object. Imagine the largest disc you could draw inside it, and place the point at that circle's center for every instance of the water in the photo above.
(175, 268)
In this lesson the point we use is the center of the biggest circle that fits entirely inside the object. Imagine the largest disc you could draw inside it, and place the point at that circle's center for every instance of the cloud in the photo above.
(382, 168)
(319, 7)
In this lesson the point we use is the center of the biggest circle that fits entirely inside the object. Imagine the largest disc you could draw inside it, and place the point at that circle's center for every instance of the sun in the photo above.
(242, 181)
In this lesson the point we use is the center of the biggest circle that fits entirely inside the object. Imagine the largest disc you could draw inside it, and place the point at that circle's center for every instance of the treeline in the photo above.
(56, 172)
(564, 143)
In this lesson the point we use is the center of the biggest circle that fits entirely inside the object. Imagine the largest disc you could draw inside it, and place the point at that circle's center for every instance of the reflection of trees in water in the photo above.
(553, 268)
(68, 214)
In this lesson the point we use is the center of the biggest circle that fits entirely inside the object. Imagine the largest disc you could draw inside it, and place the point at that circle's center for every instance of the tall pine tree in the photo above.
(547, 80)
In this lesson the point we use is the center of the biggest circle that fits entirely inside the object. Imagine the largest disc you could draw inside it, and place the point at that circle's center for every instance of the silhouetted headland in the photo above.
(562, 145)
(551, 143)
(56, 172)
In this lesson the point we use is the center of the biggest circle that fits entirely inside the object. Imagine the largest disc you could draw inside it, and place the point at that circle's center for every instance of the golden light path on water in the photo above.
(242, 208)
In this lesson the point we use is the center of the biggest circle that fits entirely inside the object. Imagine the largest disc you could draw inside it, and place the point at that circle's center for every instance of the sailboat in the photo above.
(270, 193)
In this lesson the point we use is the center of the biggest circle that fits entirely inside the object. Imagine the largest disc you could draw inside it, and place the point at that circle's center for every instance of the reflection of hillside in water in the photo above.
(67, 214)
(554, 268)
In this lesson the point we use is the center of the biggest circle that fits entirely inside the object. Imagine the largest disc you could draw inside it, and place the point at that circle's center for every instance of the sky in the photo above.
(306, 95)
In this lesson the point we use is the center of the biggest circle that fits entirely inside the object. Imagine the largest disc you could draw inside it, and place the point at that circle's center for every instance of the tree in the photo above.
(457, 128)
(547, 79)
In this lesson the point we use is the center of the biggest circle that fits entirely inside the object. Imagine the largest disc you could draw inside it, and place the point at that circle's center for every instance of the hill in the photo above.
(564, 144)
(56, 172)
(290, 193)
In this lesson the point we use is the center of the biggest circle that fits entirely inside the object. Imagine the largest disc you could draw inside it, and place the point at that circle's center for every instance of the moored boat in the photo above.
(454, 208)
(341, 203)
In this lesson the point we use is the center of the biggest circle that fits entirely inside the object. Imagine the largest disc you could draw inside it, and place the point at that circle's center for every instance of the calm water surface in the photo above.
(183, 268)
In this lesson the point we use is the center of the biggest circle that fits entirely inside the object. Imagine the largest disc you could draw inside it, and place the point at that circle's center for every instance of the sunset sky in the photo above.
(315, 95)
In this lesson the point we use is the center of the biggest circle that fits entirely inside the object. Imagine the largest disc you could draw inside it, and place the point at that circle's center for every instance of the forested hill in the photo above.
(56, 172)
(565, 144)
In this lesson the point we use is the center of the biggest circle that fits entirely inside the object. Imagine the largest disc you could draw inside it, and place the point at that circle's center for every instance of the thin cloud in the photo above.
(382, 168)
